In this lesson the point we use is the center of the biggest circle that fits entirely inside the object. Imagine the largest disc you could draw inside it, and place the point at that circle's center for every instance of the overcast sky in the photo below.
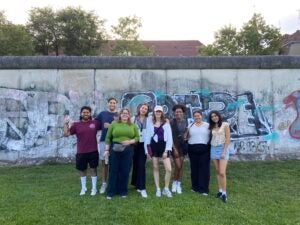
(174, 19)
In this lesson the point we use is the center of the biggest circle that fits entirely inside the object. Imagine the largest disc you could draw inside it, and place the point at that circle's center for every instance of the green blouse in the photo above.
(119, 131)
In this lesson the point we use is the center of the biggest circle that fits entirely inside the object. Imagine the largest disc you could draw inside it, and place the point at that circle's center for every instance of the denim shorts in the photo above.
(216, 152)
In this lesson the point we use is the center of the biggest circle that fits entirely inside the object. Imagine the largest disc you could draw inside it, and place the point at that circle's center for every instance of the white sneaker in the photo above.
(167, 192)
(144, 194)
(103, 188)
(83, 190)
(93, 192)
(179, 189)
(174, 186)
(139, 190)
(158, 193)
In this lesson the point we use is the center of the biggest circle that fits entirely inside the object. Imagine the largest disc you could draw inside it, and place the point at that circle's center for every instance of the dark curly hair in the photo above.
(179, 106)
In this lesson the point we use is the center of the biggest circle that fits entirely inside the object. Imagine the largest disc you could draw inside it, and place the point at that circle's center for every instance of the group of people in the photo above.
(126, 141)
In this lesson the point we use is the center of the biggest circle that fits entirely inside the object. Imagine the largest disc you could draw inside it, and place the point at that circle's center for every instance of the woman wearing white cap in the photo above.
(159, 139)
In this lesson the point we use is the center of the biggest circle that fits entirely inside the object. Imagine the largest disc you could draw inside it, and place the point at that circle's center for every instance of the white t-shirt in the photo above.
(198, 134)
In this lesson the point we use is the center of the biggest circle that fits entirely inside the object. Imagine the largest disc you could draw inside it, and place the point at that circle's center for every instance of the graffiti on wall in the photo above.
(34, 119)
(251, 130)
(241, 111)
(293, 100)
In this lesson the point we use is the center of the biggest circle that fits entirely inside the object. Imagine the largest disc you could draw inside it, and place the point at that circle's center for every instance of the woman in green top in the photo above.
(119, 140)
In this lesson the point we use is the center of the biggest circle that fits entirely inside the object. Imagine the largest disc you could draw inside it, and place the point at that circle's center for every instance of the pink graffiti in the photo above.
(293, 100)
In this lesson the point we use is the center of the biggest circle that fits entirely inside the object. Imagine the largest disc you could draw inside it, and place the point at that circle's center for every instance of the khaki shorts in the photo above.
(101, 149)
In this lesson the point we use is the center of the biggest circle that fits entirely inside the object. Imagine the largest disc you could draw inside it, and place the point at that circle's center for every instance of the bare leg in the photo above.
(177, 168)
(155, 171)
(93, 172)
(104, 172)
(222, 173)
(180, 169)
(216, 163)
(82, 173)
(168, 169)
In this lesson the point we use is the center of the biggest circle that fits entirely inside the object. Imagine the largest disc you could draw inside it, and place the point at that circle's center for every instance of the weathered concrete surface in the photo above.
(94, 62)
(258, 96)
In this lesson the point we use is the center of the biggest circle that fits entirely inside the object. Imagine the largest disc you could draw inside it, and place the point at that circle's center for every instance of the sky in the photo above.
(174, 19)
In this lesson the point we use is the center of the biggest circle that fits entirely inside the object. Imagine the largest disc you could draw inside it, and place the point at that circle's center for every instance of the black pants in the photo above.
(199, 155)
(138, 178)
(119, 168)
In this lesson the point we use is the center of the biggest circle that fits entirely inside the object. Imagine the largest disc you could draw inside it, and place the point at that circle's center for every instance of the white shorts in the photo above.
(101, 149)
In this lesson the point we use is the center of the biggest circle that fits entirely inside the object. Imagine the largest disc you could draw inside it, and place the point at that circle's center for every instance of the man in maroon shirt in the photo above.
(87, 150)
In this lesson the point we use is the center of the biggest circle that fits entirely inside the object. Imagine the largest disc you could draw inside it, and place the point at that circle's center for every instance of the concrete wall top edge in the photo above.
(99, 62)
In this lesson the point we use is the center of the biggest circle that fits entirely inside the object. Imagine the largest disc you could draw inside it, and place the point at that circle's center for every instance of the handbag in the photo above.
(118, 147)
(149, 150)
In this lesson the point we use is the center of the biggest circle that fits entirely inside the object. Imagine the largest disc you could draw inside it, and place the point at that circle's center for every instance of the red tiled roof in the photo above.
(291, 37)
(288, 40)
(164, 48)
(174, 48)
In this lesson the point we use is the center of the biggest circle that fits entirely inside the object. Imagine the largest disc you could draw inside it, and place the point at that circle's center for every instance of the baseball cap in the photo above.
(158, 108)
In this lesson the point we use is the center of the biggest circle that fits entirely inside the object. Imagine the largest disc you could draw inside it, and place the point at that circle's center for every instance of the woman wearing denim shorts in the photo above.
(220, 140)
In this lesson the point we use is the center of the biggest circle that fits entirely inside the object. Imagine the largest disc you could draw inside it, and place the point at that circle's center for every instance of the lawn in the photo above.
(259, 193)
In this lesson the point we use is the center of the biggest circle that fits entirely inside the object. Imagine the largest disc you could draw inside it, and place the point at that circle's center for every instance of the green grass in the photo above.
(259, 193)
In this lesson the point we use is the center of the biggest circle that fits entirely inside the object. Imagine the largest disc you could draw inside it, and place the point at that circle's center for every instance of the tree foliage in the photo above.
(14, 39)
(257, 38)
(71, 30)
(3, 19)
(226, 43)
(82, 32)
(127, 38)
(254, 38)
(43, 27)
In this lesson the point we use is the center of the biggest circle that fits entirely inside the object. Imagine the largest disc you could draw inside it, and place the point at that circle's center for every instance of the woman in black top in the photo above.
(178, 125)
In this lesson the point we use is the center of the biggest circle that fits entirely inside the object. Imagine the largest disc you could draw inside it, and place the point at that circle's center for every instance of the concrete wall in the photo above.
(259, 96)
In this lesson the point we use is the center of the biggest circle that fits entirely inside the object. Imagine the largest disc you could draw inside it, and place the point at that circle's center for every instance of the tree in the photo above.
(226, 43)
(14, 40)
(82, 32)
(43, 27)
(255, 38)
(127, 36)
(71, 30)
(3, 19)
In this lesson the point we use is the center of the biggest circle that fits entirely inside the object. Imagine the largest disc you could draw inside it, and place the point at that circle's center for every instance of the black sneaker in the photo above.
(218, 195)
(224, 198)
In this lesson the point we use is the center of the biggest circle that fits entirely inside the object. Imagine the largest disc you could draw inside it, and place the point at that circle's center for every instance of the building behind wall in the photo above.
(162, 48)
(291, 44)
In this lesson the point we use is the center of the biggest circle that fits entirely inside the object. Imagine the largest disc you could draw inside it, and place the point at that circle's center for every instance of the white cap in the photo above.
(158, 108)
